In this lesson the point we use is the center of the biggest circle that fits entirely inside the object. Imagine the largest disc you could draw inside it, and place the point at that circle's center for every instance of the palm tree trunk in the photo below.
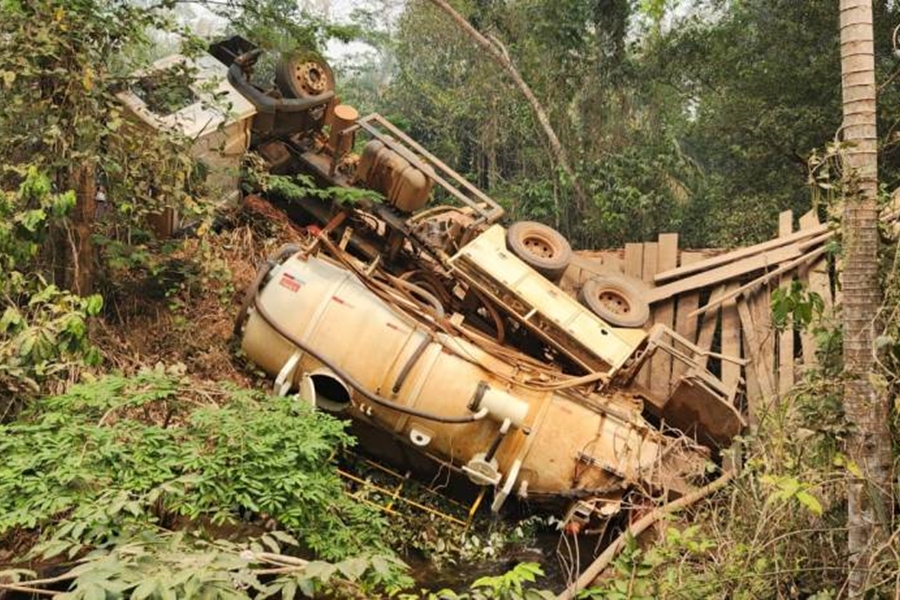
(869, 444)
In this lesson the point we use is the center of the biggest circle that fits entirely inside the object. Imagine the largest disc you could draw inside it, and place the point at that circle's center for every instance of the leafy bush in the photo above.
(43, 330)
(120, 454)
(164, 565)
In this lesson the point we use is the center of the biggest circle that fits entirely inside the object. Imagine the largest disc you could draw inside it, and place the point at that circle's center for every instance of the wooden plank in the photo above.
(731, 340)
(634, 260)
(786, 337)
(729, 257)
(764, 279)
(763, 385)
(816, 280)
(687, 303)
(648, 270)
(708, 327)
(593, 267)
(664, 313)
(819, 281)
(761, 309)
(754, 392)
(651, 258)
(725, 273)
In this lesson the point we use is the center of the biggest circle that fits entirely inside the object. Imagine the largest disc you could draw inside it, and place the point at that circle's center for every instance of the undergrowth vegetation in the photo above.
(119, 453)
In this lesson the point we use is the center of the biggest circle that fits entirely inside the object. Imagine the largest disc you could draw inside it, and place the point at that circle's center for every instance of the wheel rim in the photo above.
(311, 77)
(614, 302)
(539, 246)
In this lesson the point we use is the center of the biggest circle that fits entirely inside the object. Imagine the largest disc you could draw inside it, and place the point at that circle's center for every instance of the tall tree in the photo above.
(869, 445)
(498, 53)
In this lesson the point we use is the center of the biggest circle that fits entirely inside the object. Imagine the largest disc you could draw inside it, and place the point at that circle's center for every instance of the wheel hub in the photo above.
(614, 302)
(311, 77)
(538, 247)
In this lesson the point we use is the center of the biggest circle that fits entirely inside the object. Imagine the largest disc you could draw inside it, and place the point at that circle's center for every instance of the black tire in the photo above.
(540, 247)
(303, 76)
(616, 299)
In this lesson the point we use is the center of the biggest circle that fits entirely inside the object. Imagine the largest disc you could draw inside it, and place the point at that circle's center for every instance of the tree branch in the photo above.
(497, 52)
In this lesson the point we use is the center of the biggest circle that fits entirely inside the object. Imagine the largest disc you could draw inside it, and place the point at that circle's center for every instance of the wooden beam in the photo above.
(729, 257)
(761, 308)
(687, 303)
(812, 276)
(756, 368)
(731, 339)
(725, 273)
(634, 260)
(817, 272)
(664, 313)
(754, 390)
(648, 270)
(786, 337)
(764, 279)
(592, 267)
(708, 329)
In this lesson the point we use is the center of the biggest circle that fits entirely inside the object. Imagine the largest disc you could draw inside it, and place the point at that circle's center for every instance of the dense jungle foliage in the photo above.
(697, 117)
(138, 458)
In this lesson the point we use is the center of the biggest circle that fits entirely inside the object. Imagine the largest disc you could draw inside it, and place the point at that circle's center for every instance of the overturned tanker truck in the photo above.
(444, 335)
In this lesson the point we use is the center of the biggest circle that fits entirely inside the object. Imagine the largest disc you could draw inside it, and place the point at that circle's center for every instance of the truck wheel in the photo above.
(615, 299)
(303, 76)
(540, 247)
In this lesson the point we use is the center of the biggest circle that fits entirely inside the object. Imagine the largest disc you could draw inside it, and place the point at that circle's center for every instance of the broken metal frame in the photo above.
(699, 400)
(656, 341)
(395, 495)
(544, 309)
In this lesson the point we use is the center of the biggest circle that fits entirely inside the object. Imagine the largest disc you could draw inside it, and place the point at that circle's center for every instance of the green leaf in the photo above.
(63, 203)
(11, 318)
(810, 502)
(31, 219)
(145, 589)
(284, 537)
(353, 568)
(94, 304)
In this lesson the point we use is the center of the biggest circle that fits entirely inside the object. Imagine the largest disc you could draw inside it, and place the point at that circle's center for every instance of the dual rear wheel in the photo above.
(616, 299)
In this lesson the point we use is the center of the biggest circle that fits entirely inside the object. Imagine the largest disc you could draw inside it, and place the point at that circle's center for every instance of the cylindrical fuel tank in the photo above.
(343, 116)
(557, 444)
(405, 186)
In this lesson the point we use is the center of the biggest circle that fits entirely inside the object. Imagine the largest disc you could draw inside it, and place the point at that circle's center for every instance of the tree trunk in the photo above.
(499, 55)
(80, 262)
(869, 444)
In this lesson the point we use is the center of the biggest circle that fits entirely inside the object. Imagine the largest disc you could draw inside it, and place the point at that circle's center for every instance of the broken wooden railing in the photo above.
(721, 301)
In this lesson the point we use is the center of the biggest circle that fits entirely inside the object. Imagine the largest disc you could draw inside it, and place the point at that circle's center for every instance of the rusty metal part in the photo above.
(404, 185)
(343, 116)
(311, 77)
(700, 404)
(304, 76)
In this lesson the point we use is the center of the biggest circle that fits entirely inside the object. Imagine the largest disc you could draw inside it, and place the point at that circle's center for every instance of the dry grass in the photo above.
(192, 323)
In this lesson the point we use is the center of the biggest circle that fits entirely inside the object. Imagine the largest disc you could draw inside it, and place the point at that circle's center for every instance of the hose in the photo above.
(352, 382)
(416, 290)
